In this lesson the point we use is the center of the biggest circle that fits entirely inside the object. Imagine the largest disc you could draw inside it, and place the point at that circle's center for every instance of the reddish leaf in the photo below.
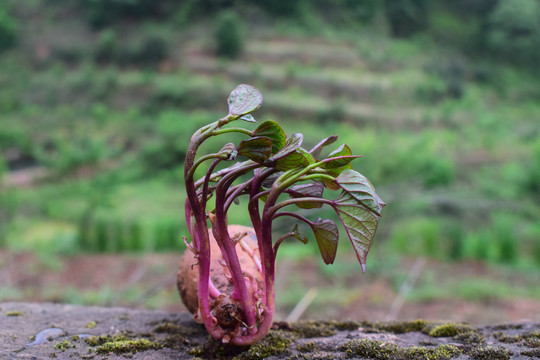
(316, 151)
(360, 225)
(359, 187)
(327, 235)
(314, 189)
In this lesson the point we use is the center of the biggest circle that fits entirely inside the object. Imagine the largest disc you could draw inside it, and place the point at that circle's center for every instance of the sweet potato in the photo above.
(225, 308)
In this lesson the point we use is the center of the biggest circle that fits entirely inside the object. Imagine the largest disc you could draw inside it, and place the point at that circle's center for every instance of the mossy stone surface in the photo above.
(121, 333)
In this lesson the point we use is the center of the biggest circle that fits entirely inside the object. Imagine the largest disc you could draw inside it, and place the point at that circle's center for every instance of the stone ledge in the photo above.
(57, 331)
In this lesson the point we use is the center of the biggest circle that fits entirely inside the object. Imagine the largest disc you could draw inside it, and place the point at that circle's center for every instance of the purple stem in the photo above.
(263, 228)
(237, 192)
(187, 211)
(201, 240)
(223, 238)
(295, 215)
(204, 196)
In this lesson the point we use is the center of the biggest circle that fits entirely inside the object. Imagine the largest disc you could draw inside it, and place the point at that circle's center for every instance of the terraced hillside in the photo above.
(93, 135)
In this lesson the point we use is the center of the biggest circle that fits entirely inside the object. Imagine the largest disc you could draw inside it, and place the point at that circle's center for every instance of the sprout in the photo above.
(275, 173)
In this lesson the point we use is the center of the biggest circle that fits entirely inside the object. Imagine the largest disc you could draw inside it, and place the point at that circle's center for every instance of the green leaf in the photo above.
(327, 235)
(299, 158)
(343, 156)
(360, 225)
(336, 172)
(359, 187)
(316, 151)
(331, 184)
(244, 100)
(359, 208)
(314, 189)
(274, 132)
(257, 149)
(291, 144)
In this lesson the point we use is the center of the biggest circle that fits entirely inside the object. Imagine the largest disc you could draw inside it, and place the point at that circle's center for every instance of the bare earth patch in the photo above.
(148, 282)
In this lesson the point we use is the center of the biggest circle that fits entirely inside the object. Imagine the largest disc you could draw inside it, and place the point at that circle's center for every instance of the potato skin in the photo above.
(187, 283)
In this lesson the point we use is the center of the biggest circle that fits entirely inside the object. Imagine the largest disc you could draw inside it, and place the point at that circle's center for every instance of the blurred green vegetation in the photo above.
(441, 98)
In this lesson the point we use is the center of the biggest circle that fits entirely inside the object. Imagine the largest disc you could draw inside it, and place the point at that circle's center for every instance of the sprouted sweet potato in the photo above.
(227, 277)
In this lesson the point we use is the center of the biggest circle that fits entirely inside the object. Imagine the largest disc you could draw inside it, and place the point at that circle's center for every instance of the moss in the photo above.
(374, 349)
(63, 345)
(401, 327)
(470, 338)
(127, 346)
(347, 325)
(394, 327)
(307, 347)
(312, 329)
(507, 339)
(312, 357)
(530, 339)
(100, 340)
(90, 325)
(532, 342)
(450, 329)
(490, 353)
(369, 348)
(197, 351)
(14, 313)
(167, 327)
(276, 342)
(440, 352)
(531, 353)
